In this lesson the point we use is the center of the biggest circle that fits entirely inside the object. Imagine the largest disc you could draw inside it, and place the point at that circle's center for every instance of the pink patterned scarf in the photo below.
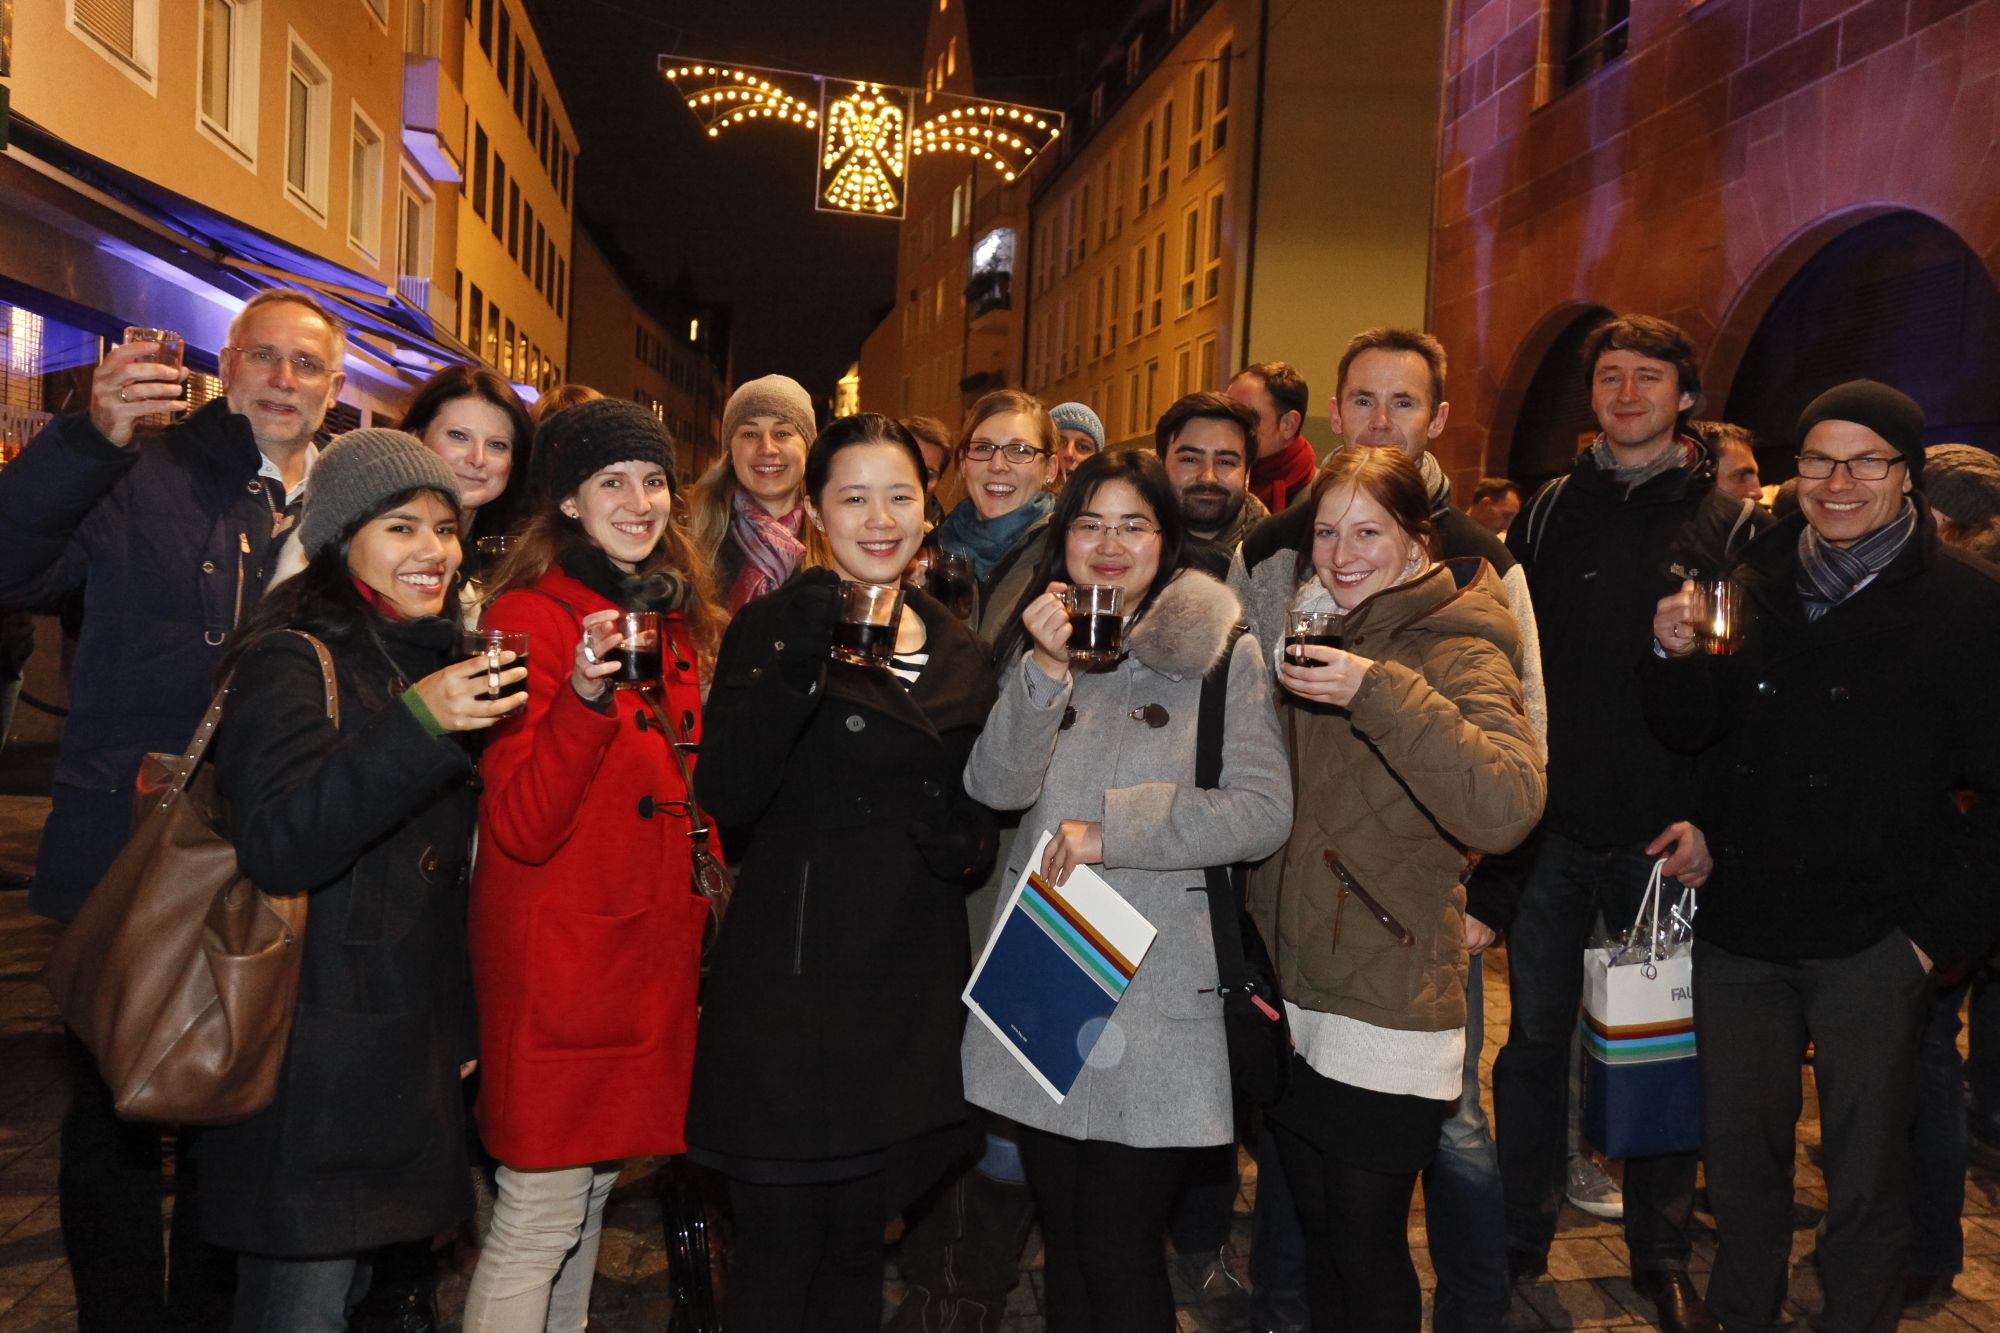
(771, 547)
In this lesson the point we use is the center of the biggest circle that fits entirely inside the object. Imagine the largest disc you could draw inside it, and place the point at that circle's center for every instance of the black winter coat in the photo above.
(169, 540)
(831, 1019)
(1831, 752)
(366, 1142)
(1598, 562)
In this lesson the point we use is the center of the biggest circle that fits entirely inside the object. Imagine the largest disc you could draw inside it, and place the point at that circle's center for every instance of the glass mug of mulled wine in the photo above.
(866, 618)
(1718, 616)
(950, 579)
(1096, 624)
(170, 349)
(638, 652)
(1309, 629)
(488, 645)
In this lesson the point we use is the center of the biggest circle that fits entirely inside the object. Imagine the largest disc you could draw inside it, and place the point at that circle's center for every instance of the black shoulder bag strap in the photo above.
(1225, 887)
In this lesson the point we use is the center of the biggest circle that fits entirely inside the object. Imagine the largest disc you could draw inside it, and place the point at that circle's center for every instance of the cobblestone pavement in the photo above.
(1586, 1287)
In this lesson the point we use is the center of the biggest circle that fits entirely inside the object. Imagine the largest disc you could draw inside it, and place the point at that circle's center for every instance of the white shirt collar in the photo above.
(266, 468)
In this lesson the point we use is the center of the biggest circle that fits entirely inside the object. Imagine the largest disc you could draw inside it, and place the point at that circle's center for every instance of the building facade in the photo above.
(1811, 188)
(666, 351)
(166, 160)
(517, 221)
(1237, 186)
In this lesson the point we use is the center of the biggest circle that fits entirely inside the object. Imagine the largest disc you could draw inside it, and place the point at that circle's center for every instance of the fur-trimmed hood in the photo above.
(1186, 630)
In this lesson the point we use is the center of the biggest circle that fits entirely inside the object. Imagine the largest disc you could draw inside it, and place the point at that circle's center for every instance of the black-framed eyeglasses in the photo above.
(305, 365)
(1128, 530)
(1868, 467)
(1017, 451)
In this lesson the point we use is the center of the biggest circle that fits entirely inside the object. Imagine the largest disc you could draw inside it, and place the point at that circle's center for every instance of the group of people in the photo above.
(507, 959)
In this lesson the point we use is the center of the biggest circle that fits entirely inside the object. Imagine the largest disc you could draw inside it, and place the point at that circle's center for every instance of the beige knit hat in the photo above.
(777, 396)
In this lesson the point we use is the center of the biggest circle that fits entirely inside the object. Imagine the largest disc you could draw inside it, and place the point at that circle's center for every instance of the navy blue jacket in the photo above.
(169, 541)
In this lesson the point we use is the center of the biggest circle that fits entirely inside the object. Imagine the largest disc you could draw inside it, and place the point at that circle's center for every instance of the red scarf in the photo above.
(1285, 476)
(381, 605)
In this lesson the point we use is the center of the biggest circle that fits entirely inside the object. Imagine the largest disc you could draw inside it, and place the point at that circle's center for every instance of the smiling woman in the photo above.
(1005, 454)
(748, 512)
(472, 419)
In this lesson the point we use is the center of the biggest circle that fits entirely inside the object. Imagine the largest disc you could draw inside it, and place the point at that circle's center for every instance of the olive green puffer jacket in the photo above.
(1432, 759)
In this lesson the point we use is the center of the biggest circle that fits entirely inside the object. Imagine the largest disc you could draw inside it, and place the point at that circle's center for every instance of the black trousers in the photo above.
(1359, 1275)
(1103, 1207)
(110, 1185)
(807, 1257)
(1207, 1203)
(1752, 1021)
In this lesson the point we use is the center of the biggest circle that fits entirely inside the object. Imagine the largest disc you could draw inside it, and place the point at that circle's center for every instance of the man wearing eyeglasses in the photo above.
(168, 536)
(1850, 751)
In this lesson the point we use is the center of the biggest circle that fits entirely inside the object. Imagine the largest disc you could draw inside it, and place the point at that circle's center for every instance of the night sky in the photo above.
(736, 210)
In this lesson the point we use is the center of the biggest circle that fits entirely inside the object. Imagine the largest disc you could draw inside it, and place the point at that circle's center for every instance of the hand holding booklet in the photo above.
(1057, 963)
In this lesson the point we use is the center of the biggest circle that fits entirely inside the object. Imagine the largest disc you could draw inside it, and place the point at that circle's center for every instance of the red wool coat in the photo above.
(586, 932)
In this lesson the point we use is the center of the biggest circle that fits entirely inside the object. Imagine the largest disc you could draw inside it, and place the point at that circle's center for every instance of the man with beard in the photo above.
(1209, 444)
(1389, 390)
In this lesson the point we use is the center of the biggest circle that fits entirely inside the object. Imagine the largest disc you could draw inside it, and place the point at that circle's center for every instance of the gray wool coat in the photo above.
(1159, 1074)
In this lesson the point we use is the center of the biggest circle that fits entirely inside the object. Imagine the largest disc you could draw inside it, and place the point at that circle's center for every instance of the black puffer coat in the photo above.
(366, 1142)
(830, 1019)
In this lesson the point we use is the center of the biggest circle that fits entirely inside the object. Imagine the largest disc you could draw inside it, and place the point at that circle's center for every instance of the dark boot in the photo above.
(962, 1258)
(402, 1294)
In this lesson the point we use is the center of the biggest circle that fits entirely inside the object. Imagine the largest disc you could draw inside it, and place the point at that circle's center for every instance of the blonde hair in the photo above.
(712, 506)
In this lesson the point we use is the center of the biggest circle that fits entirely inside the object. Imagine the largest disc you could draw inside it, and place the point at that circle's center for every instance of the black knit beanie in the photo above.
(1890, 413)
(578, 442)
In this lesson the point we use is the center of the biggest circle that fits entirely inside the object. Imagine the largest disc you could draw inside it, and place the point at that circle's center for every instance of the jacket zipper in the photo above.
(799, 926)
(242, 556)
(1339, 907)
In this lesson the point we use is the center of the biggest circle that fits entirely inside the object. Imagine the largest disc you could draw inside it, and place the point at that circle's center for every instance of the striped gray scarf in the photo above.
(1829, 574)
(1682, 453)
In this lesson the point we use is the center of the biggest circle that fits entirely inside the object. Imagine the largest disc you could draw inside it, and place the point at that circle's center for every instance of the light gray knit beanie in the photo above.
(360, 470)
(778, 396)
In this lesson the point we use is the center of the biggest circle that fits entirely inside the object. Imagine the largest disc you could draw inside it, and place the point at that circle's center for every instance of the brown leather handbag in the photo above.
(179, 974)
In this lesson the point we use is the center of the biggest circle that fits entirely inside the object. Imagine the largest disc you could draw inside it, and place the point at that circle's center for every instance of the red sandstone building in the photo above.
(1811, 188)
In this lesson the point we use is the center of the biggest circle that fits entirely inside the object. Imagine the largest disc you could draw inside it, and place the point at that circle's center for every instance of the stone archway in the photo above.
(1544, 406)
(1890, 295)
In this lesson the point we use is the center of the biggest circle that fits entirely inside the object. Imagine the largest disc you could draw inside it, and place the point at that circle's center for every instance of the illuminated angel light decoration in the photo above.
(867, 139)
(864, 150)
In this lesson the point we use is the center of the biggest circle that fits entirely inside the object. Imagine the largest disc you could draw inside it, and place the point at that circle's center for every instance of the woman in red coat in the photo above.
(586, 932)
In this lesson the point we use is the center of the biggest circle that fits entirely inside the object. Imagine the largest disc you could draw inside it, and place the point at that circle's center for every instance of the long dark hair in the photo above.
(321, 599)
(1145, 474)
(505, 512)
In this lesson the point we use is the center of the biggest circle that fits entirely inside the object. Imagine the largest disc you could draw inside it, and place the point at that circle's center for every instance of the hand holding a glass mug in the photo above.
(137, 379)
(1701, 617)
(460, 697)
(1046, 619)
(588, 673)
(1336, 680)
(1674, 621)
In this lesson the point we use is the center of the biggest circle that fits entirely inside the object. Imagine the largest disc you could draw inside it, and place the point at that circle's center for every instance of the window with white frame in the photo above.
(1133, 425)
(1140, 256)
(125, 31)
(1152, 394)
(1114, 190)
(308, 117)
(1166, 160)
(1197, 116)
(957, 208)
(1113, 312)
(1204, 364)
(1183, 368)
(420, 23)
(1063, 321)
(1145, 167)
(1068, 231)
(364, 185)
(1105, 191)
(379, 11)
(1083, 223)
(1211, 260)
(1097, 321)
(414, 231)
(1157, 302)
(226, 99)
(1218, 130)
(1190, 256)
(1135, 57)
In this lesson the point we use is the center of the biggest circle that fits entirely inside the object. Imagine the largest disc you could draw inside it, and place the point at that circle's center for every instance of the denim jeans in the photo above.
(297, 1295)
(1937, 1143)
(1568, 885)
(1982, 1054)
(1464, 1215)
(540, 1256)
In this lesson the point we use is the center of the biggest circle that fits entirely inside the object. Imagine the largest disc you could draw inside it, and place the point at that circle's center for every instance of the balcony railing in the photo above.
(415, 290)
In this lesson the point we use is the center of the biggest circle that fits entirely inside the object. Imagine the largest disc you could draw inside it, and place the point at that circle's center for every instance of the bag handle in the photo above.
(1649, 901)
(1224, 883)
(204, 732)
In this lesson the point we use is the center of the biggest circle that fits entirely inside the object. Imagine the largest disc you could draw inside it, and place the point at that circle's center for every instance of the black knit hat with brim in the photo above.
(1890, 413)
(578, 442)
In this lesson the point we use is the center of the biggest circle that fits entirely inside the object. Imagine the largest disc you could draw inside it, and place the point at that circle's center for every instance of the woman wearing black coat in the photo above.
(372, 818)
(826, 1080)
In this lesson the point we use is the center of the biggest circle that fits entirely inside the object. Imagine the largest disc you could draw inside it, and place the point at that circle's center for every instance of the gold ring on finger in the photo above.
(121, 395)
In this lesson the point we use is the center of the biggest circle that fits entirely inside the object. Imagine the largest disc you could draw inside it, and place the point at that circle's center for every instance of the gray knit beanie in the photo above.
(777, 396)
(1962, 482)
(357, 473)
(1078, 416)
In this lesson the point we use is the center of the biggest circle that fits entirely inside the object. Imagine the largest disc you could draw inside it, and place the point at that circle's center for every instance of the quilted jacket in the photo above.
(1433, 758)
